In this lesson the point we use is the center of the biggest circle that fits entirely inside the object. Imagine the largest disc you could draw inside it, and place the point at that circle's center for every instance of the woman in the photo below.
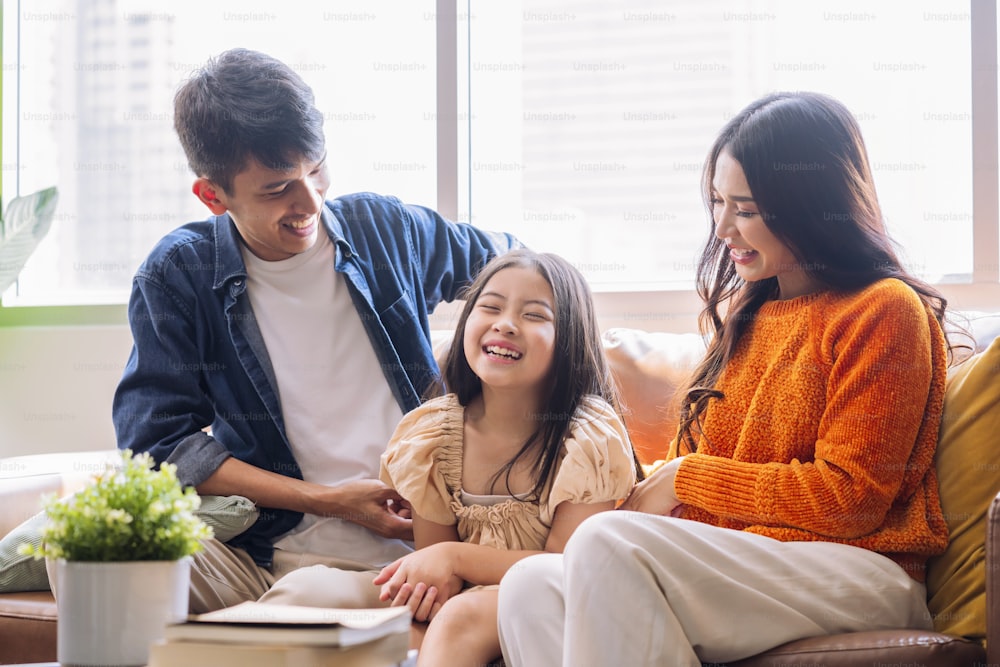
(800, 497)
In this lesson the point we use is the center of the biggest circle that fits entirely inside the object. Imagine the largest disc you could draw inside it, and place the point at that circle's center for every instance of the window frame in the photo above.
(655, 309)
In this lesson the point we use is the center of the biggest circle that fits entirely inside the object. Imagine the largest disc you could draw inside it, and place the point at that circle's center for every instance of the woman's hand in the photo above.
(655, 494)
(422, 580)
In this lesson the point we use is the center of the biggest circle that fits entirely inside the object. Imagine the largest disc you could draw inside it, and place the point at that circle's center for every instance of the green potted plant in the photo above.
(121, 550)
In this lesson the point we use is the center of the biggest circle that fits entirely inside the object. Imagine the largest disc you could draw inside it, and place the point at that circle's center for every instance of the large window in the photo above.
(88, 89)
(591, 121)
(581, 126)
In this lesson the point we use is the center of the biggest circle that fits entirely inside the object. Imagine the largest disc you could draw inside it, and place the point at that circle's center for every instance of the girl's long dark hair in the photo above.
(578, 364)
(808, 171)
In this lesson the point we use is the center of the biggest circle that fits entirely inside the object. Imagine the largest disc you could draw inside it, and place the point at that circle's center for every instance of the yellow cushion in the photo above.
(968, 465)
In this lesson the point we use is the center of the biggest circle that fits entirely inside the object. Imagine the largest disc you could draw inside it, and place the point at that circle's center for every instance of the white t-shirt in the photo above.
(338, 408)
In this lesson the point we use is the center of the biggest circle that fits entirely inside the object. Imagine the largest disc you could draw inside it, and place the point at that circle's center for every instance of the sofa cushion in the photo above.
(982, 326)
(969, 476)
(871, 649)
(648, 369)
(20, 572)
(228, 516)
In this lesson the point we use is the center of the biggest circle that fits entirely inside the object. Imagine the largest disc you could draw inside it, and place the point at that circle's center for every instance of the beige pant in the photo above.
(638, 589)
(222, 576)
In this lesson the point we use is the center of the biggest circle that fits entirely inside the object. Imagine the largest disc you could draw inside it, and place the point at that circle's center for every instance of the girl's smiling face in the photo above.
(510, 331)
(753, 248)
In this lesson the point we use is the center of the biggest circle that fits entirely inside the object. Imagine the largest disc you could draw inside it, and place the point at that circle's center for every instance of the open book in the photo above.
(260, 623)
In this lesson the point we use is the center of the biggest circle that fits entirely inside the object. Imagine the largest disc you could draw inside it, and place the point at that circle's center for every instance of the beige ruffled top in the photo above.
(423, 462)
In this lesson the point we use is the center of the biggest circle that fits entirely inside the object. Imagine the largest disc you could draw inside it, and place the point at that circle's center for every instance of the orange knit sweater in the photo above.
(828, 426)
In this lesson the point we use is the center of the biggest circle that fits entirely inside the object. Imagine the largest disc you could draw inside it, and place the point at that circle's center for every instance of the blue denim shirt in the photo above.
(198, 358)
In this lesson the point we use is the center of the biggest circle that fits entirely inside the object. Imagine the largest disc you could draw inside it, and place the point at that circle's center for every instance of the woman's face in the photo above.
(756, 252)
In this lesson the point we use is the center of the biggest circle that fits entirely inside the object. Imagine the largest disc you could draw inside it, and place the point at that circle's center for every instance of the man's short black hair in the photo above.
(245, 105)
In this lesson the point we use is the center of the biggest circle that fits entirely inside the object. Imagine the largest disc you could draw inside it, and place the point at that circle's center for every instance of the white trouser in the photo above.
(222, 576)
(639, 589)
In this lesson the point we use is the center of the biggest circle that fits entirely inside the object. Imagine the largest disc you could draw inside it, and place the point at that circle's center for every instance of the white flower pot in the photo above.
(109, 613)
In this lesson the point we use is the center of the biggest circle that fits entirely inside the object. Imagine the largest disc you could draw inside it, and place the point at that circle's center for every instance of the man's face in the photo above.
(277, 212)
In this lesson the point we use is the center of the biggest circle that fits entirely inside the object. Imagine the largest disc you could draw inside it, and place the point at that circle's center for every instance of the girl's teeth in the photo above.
(503, 352)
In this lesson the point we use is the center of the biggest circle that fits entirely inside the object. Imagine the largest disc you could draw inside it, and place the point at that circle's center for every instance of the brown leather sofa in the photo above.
(648, 368)
(28, 619)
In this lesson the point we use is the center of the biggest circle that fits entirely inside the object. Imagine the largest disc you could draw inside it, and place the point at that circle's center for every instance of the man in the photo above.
(278, 343)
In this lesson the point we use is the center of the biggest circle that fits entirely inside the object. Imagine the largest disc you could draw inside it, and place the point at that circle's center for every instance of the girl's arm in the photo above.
(568, 516)
(486, 565)
(483, 565)
(423, 584)
(440, 558)
(426, 533)
(599, 449)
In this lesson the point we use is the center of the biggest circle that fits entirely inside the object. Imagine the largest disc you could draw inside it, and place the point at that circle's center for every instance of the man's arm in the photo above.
(365, 502)
(159, 405)
(450, 253)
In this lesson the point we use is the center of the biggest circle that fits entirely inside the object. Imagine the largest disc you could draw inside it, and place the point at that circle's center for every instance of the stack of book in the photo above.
(255, 634)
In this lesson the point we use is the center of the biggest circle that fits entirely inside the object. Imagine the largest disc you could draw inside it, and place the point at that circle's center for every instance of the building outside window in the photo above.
(581, 126)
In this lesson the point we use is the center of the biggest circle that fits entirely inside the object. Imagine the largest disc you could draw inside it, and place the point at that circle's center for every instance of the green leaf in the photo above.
(25, 223)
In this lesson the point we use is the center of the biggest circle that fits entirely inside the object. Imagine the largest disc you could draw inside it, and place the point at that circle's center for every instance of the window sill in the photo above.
(653, 310)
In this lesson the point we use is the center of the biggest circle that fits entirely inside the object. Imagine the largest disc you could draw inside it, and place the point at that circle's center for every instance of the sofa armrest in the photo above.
(993, 583)
(21, 498)
(25, 480)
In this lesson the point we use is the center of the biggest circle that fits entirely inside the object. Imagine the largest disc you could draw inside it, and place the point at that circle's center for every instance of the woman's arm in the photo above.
(655, 494)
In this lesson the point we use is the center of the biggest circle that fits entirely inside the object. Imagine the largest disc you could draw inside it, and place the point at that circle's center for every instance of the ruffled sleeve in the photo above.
(598, 465)
(425, 453)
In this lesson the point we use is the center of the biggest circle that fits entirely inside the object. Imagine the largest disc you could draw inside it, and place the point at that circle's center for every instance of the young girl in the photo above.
(801, 498)
(523, 448)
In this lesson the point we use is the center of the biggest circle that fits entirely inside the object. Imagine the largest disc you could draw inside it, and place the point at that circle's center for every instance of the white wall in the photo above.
(57, 382)
(56, 387)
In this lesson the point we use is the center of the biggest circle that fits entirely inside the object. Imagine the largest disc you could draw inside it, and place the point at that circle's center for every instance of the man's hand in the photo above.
(368, 503)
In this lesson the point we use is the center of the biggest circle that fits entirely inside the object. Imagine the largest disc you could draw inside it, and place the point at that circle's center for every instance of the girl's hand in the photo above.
(422, 580)
(655, 494)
